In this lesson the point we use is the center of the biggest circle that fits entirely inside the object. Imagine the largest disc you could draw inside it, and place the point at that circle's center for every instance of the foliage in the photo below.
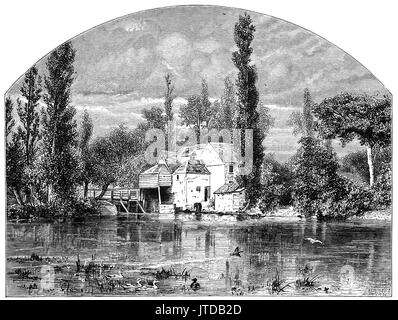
(85, 156)
(382, 189)
(193, 115)
(14, 155)
(315, 168)
(169, 97)
(356, 163)
(319, 190)
(348, 116)
(168, 106)
(303, 122)
(59, 163)
(276, 179)
(28, 113)
(29, 212)
(114, 154)
(247, 101)
(223, 111)
(364, 117)
(10, 121)
(155, 118)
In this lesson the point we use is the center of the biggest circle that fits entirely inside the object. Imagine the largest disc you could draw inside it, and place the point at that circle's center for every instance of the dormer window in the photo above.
(231, 169)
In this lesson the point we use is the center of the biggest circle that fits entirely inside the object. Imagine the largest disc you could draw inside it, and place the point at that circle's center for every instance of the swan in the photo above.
(147, 284)
(117, 276)
(313, 241)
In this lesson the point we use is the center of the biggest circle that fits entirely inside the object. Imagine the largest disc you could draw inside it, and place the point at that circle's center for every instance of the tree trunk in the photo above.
(103, 190)
(50, 193)
(85, 190)
(17, 196)
(28, 195)
(370, 164)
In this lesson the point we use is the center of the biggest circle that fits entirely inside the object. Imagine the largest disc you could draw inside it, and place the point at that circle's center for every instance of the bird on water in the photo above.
(236, 252)
(195, 284)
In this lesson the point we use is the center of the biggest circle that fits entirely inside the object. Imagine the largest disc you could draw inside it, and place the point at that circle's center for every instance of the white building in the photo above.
(191, 185)
(229, 198)
(190, 177)
(220, 159)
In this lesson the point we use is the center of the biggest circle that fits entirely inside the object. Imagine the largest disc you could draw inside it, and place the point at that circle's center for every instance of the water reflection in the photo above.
(355, 258)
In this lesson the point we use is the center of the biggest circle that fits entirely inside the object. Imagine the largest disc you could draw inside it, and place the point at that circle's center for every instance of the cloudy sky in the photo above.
(120, 65)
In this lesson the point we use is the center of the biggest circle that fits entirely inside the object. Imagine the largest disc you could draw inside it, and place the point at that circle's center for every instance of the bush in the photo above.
(356, 163)
(382, 190)
(276, 179)
(347, 200)
(76, 208)
(320, 191)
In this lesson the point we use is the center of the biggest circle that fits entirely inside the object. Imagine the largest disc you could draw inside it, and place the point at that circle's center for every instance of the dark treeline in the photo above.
(52, 160)
(42, 163)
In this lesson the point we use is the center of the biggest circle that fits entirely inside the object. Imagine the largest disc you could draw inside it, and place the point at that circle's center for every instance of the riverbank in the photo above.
(289, 212)
(385, 215)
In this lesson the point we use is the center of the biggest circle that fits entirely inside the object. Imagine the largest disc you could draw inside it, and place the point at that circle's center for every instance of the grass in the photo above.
(307, 280)
(278, 285)
(171, 273)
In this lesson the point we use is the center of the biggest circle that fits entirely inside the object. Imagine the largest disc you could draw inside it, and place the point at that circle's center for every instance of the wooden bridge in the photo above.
(128, 199)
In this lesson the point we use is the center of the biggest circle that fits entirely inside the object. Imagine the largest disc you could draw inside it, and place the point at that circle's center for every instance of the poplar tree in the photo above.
(59, 127)
(28, 112)
(168, 106)
(247, 101)
(14, 155)
(85, 134)
(28, 129)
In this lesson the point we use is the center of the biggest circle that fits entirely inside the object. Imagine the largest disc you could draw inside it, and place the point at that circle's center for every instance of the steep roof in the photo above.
(158, 168)
(229, 188)
(226, 151)
(192, 166)
(210, 153)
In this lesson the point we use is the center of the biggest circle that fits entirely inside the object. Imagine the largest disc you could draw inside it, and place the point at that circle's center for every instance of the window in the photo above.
(198, 188)
(231, 169)
(178, 177)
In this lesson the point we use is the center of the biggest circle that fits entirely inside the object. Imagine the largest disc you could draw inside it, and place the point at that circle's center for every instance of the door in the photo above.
(207, 193)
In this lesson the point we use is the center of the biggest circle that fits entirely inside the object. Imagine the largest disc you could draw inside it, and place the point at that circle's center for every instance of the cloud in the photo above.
(120, 65)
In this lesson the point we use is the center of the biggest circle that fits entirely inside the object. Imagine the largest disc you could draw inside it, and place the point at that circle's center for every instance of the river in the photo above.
(276, 258)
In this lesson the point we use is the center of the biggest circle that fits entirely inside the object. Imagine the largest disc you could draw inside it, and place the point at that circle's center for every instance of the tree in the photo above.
(348, 116)
(266, 121)
(28, 112)
(223, 114)
(10, 121)
(205, 103)
(303, 122)
(59, 127)
(155, 118)
(85, 134)
(277, 179)
(248, 98)
(197, 112)
(315, 173)
(169, 97)
(112, 155)
(28, 129)
(14, 155)
(168, 106)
